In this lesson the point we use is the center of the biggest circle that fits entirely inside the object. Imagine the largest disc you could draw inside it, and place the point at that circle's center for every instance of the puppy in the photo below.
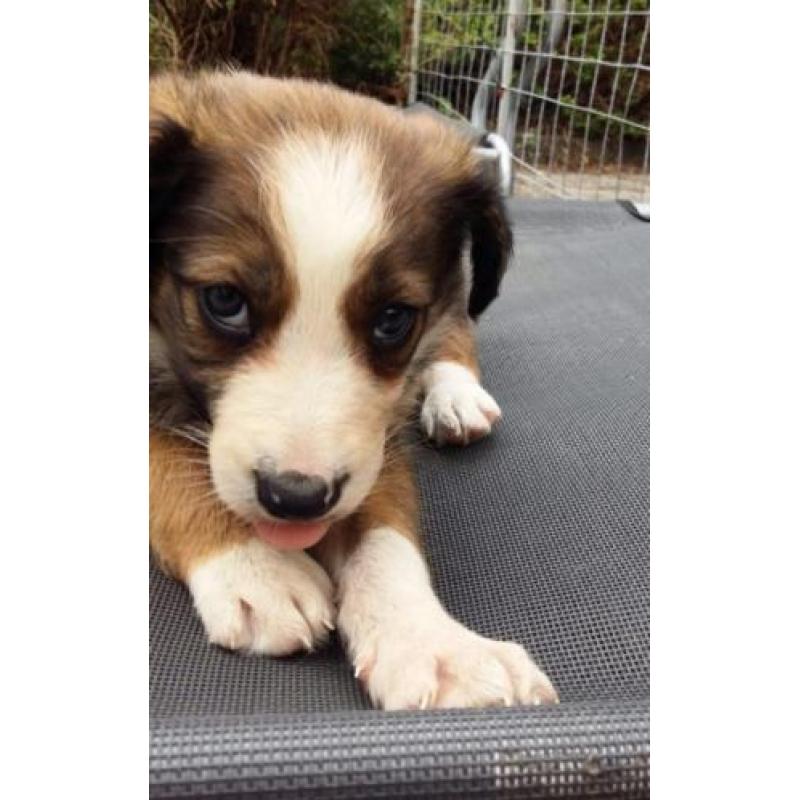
(307, 289)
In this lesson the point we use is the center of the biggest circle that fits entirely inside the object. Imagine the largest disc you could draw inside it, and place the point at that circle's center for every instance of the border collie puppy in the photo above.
(307, 291)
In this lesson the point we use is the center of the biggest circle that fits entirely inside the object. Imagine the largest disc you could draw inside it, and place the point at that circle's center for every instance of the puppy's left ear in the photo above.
(482, 211)
(178, 171)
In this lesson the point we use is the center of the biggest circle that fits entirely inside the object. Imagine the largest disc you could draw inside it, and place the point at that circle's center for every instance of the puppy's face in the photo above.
(303, 274)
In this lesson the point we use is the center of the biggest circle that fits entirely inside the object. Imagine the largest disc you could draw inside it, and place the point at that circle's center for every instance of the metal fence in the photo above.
(565, 82)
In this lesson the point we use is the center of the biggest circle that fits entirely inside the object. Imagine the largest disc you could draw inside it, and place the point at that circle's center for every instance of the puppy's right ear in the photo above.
(178, 170)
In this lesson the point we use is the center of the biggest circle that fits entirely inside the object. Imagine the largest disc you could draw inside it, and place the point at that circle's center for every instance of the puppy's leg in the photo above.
(456, 409)
(405, 648)
(249, 595)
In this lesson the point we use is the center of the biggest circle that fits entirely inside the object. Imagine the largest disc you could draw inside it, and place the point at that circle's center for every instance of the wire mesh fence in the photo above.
(565, 82)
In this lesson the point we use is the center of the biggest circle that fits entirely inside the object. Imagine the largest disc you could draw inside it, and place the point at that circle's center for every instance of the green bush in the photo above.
(452, 38)
(362, 44)
(369, 49)
(352, 42)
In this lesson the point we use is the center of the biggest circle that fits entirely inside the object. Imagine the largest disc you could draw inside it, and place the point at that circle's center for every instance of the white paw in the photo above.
(449, 666)
(456, 408)
(254, 598)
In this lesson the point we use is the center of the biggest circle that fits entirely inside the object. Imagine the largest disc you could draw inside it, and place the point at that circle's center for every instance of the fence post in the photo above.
(513, 11)
(414, 61)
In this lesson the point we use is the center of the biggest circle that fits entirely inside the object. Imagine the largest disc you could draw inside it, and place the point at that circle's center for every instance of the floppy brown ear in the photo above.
(178, 170)
(474, 208)
(492, 243)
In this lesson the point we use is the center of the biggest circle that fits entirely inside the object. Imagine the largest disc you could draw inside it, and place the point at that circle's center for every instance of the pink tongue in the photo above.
(291, 535)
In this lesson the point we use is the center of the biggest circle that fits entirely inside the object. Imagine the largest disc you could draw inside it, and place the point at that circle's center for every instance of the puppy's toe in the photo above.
(449, 666)
(458, 411)
(531, 685)
(251, 597)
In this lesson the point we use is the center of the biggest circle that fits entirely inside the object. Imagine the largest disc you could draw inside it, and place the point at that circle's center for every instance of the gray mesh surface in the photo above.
(539, 534)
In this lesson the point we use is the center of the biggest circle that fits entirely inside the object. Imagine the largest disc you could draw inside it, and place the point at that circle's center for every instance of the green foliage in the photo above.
(363, 44)
(354, 42)
(447, 25)
(368, 52)
(280, 37)
(457, 40)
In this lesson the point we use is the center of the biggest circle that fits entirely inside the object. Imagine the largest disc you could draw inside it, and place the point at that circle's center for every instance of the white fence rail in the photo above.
(565, 82)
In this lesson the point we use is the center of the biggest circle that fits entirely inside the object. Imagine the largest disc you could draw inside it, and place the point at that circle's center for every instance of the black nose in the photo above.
(292, 495)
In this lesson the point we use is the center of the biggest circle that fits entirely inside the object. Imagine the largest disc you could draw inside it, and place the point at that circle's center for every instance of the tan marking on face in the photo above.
(311, 183)
(312, 406)
(187, 523)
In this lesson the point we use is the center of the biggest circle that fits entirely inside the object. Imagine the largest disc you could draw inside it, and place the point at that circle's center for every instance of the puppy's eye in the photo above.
(226, 308)
(393, 325)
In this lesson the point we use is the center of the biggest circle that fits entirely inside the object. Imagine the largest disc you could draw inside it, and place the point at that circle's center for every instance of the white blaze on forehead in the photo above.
(313, 405)
(329, 197)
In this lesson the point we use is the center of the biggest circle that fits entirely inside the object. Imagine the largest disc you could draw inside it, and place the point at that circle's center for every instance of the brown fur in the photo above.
(239, 112)
(217, 236)
(458, 345)
(307, 267)
(392, 502)
(213, 228)
(187, 522)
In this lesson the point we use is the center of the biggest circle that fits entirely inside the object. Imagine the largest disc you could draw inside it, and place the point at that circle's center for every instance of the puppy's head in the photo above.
(306, 258)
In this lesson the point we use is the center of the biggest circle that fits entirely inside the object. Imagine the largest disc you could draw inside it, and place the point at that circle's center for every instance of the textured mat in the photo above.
(539, 534)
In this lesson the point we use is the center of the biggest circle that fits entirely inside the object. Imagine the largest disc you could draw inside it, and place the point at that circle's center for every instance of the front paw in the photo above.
(252, 597)
(449, 666)
(456, 408)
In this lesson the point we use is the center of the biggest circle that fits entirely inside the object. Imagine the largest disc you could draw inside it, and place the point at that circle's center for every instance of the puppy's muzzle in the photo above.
(293, 495)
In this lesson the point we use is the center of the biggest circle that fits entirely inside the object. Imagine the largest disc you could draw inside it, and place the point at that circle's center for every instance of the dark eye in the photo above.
(393, 325)
(226, 308)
